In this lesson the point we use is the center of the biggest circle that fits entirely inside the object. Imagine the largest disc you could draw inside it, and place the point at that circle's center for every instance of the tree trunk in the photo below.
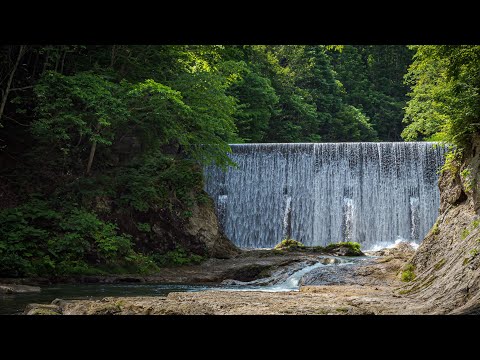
(90, 158)
(112, 58)
(45, 64)
(57, 61)
(92, 151)
(63, 61)
(35, 65)
(10, 79)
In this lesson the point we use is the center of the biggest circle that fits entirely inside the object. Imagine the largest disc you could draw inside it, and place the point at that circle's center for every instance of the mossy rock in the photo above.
(289, 244)
(42, 309)
(349, 248)
(43, 312)
(108, 309)
(439, 264)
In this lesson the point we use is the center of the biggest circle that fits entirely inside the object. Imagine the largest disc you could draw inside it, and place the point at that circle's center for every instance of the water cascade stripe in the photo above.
(321, 193)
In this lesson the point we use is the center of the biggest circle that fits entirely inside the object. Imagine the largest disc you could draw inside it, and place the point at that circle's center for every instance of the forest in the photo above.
(96, 140)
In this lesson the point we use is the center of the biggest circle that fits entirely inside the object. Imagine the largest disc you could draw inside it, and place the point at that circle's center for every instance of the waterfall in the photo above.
(415, 219)
(321, 193)
(348, 222)
(287, 230)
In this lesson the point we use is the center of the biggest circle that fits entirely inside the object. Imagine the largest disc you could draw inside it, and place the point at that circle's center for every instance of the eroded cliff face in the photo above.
(203, 225)
(199, 233)
(447, 263)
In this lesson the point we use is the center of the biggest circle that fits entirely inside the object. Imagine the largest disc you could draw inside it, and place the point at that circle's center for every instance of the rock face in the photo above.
(198, 233)
(447, 263)
(203, 225)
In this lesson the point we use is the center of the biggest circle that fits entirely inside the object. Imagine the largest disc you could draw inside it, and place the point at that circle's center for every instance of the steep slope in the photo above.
(447, 264)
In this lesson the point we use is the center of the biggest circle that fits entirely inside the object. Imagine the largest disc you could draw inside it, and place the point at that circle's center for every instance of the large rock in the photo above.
(203, 225)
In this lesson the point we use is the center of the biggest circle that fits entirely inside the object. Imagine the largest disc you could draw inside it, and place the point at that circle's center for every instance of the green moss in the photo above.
(341, 310)
(465, 233)
(474, 252)
(435, 230)
(467, 181)
(408, 273)
(353, 248)
(466, 261)
(465, 173)
(428, 282)
(42, 311)
(439, 264)
(452, 163)
(475, 223)
(289, 244)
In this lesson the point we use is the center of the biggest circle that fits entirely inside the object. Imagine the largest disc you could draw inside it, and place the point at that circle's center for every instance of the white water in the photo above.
(322, 193)
(389, 245)
(286, 217)
(292, 283)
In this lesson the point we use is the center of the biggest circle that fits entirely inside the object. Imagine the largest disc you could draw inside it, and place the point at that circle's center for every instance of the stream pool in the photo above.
(12, 304)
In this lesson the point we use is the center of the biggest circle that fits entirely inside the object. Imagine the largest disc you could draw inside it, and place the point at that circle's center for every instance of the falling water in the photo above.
(415, 218)
(287, 218)
(322, 193)
(348, 222)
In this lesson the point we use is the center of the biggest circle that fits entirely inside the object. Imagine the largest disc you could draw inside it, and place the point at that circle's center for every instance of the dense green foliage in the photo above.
(372, 77)
(115, 137)
(36, 239)
(179, 256)
(444, 104)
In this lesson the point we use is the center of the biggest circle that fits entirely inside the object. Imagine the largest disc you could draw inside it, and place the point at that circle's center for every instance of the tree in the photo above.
(372, 77)
(444, 102)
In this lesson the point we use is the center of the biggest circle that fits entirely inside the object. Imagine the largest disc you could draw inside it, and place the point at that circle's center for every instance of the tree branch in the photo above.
(21, 52)
(15, 121)
(22, 88)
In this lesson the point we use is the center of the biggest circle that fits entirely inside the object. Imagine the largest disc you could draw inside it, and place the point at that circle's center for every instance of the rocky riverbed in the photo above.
(371, 286)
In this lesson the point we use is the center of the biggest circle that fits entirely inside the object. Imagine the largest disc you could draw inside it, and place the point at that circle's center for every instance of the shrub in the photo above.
(408, 273)
(177, 257)
(37, 239)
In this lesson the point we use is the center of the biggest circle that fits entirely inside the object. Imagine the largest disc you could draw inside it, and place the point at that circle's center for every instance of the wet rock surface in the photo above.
(365, 287)
(17, 289)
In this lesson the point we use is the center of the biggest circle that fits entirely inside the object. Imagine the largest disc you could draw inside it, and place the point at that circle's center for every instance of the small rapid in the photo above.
(292, 282)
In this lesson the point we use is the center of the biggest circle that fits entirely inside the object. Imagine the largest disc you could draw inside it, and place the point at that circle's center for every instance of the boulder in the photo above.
(203, 225)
